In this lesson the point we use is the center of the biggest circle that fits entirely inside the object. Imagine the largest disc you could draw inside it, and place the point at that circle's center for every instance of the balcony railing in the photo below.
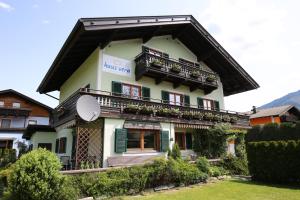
(166, 69)
(154, 109)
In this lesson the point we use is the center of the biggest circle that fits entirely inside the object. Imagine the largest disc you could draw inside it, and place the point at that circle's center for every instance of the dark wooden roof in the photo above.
(89, 33)
(11, 91)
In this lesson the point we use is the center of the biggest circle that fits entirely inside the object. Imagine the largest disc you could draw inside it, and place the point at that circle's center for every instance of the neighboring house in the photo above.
(169, 63)
(17, 111)
(278, 114)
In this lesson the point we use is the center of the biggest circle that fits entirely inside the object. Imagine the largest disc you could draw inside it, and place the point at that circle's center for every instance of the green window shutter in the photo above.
(186, 100)
(164, 141)
(62, 145)
(56, 145)
(200, 102)
(120, 140)
(165, 96)
(146, 93)
(116, 88)
(217, 105)
(188, 141)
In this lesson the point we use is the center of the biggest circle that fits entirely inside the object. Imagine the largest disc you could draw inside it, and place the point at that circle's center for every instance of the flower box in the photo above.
(211, 78)
(195, 74)
(157, 63)
(132, 109)
(233, 119)
(176, 68)
(208, 116)
(226, 118)
(146, 110)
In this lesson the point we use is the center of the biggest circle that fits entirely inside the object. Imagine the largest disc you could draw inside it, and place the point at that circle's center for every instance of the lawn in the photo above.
(227, 190)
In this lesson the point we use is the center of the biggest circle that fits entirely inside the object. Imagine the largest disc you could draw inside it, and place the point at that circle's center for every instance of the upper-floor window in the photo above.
(1, 103)
(175, 99)
(208, 104)
(32, 122)
(16, 105)
(5, 123)
(130, 91)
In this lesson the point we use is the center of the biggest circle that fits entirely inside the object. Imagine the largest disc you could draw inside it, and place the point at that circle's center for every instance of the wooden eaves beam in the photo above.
(108, 39)
(180, 31)
(150, 34)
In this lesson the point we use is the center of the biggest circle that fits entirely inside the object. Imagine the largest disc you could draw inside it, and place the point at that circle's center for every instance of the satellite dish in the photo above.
(88, 108)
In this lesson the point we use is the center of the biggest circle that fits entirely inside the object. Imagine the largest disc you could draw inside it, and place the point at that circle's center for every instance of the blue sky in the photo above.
(261, 35)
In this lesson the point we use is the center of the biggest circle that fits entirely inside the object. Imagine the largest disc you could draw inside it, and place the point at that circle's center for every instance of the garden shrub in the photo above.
(203, 164)
(138, 177)
(175, 152)
(158, 172)
(215, 171)
(7, 156)
(274, 161)
(234, 165)
(182, 172)
(36, 176)
(84, 183)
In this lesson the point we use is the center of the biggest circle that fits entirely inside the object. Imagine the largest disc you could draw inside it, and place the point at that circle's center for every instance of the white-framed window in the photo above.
(32, 122)
(1, 103)
(207, 104)
(16, 105)
(5, 123)
(132, 91)
(175, 99)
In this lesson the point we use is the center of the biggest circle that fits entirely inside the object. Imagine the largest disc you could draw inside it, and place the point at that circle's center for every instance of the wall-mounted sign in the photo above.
(116, 65)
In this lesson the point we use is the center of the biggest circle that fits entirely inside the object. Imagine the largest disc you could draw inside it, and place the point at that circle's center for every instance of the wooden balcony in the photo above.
(119, 106)
(11, 111)
(166, 69)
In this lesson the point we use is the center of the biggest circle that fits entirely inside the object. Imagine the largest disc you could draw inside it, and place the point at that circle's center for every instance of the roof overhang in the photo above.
(31, 129)
(90, 33)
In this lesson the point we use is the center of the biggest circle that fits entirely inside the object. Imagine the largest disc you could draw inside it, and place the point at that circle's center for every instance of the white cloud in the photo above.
(262, 37)
(35, 6)
(6, 6)
(45, 21)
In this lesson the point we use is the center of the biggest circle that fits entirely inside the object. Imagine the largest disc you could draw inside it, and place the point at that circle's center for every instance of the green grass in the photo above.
(227, 190)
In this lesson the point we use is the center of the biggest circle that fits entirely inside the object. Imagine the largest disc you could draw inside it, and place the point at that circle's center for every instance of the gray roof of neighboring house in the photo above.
(275, 111)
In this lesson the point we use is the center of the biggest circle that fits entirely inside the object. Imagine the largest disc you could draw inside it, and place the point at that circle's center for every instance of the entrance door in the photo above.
(184, 140)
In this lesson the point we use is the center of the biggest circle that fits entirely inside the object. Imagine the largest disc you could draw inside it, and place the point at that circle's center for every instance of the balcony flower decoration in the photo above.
(157, 63)
(195, 73)
(198, 116)
(187, 115)
(132, 109)
(208, 116)
(146, 110)
(233, 119)
(176, 68)
(163, 112)
(217, 118)
(226, 118)
(211, 78)
(174, 112)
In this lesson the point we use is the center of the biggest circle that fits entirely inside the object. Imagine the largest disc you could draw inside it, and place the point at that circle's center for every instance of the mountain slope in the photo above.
(289, 99)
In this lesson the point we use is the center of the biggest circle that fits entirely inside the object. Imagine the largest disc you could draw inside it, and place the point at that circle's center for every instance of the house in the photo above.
(158, 80)
(287, 113)
(17, 111)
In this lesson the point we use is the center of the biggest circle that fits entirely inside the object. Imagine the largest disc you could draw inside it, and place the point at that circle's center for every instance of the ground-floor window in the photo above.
(47, 146)
(6, 144)
(61, 145)
(184, 140)
(142, 139)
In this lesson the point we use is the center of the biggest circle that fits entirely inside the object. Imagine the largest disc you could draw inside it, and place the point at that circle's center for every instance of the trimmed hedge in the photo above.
(274, 132)
(135, 179)
(274, 161)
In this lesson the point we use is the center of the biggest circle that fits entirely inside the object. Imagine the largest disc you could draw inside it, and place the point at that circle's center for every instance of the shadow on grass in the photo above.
(283, 186)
